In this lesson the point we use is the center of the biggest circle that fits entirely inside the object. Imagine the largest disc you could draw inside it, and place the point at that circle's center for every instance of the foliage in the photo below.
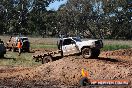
(109, 19)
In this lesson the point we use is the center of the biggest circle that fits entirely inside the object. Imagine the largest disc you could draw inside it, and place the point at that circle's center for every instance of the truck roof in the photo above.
(74, 38)
(68, 38)
(21, 37)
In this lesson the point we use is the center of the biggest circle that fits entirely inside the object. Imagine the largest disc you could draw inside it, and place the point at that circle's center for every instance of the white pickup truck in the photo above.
(71, 46)
(74, 45)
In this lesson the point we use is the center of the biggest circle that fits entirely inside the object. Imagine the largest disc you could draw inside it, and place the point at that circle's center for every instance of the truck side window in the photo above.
(67, 42)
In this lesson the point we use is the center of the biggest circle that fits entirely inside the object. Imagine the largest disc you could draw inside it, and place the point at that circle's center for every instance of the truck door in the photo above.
(69, 47)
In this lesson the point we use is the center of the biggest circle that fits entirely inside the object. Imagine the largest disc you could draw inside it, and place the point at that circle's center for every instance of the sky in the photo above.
(56, 5)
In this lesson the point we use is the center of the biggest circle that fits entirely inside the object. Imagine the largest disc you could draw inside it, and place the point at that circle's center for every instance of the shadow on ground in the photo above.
(8, 58)
(108, 59)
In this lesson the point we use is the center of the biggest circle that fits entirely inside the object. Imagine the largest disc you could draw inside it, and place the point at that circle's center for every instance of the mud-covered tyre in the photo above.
(84, 81)
(46, 59)
(87, 53)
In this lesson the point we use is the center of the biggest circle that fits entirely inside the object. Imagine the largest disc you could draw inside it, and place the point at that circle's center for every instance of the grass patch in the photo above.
(115, 47)
(33, 46)
(25, 59)
(12, 59)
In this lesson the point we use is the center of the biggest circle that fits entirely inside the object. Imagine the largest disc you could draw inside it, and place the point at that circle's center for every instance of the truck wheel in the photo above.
(2, 55)
(27, 50)
(46, 59)
(86, 53)
(84, 81)
(96, 53)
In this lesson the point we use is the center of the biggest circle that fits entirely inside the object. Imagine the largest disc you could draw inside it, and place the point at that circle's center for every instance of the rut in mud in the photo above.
(67, 72)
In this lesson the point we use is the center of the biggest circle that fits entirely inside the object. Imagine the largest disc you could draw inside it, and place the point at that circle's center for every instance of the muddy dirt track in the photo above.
(66, 72)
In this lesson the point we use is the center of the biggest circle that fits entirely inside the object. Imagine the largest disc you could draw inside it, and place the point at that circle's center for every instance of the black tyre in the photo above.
(86, 53)
(95, 53)
(27, 50)
(46, 59)
(84, 81)
(2, 55)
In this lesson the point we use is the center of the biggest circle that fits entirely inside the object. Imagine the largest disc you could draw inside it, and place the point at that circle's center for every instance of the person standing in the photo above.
(19, 46)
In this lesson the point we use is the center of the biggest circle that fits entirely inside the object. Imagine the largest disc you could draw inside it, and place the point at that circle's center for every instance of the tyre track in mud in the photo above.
(7, 70)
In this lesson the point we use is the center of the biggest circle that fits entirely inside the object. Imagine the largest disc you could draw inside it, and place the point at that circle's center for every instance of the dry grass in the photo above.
(118, 42)
(50, 41)
(53, 41)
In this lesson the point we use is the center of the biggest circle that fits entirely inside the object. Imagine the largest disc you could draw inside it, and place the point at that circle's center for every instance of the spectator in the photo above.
(19, 46)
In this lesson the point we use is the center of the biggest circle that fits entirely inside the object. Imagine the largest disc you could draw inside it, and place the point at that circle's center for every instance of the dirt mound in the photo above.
(66, 72)
(121, 52)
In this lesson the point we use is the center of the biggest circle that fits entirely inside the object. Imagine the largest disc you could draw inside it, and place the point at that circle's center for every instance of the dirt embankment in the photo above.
(67, 72)
(121, 52)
